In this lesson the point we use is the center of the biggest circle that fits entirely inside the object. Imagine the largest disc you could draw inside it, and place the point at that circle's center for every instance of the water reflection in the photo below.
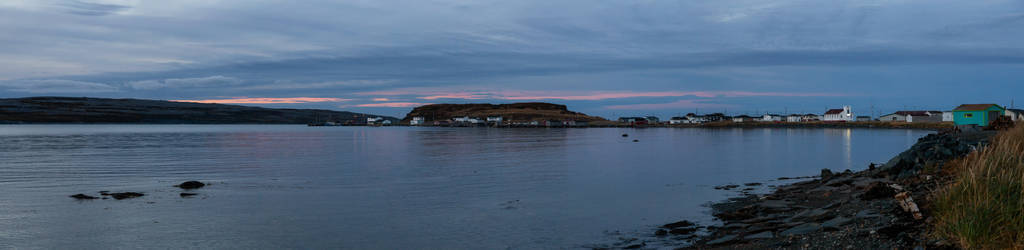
(362, 187)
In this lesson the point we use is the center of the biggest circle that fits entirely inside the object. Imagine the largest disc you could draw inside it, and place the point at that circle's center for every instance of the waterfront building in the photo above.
(494, 119)
(977, 114)
(417, 121)
(771, 118)
(1015, 114)
(810, 118)
(742, 118)
(844, 114)
(794, 118)
(863, 118)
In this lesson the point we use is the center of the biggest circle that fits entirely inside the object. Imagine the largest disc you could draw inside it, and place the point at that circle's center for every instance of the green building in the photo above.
(977, 114)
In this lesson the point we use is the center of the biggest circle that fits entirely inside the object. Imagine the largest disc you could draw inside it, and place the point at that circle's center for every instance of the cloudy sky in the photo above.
(608, 58)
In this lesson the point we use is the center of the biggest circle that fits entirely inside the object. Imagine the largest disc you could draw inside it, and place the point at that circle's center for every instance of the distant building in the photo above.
(1015, 114)
(771, 118)
(794, 118)
(494, 119)
(652, 119)
(913, 116)
(416, 121)
(894, 117)
(810, 118)
(374, 120)
(844, 114)
(742, 118)
(977, 114)
(633, 120)
(678, 120)
(863, 118)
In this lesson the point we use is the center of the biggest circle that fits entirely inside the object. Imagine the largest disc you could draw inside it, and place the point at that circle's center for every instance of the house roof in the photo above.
(833, 111)
(974, 107)
(916, 113)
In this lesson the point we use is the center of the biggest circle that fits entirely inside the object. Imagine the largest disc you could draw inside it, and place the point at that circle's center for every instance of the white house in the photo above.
(810, 118)
(794, 118)
(835, 115)
(467, 119)
(894, 117)
(742, 118)
(678, 120)
(416, 121)
(374, 120)
(494, 119)
(771, 118)
(1014, 114)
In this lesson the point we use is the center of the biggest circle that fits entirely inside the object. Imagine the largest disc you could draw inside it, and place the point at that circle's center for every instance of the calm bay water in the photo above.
(393, 187)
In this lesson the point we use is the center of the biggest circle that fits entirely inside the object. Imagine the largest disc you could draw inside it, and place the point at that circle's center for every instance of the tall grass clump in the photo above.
(983, 208)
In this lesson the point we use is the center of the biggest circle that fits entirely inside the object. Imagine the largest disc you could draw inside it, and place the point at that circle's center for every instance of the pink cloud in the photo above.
(676, 104)
(268, 100)
(388, 105)
(380, 99)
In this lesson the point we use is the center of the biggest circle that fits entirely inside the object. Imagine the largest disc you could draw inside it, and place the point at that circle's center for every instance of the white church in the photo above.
(835, 115)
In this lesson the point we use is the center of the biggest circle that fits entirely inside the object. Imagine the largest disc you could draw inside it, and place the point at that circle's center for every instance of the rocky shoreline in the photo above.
(882, 207)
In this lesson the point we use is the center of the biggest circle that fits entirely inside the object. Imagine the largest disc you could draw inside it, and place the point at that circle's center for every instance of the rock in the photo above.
(183, 195)
(723, 239)
(125, 195)
(661, 232)
(762, 235)
(683, 231)
(625, 135)
(836, 222)
(752, 184)
(739, 214)
(727, 187)
(826, 174)
(636, 140)
(190, 185)
(84, 197)
(801, 229)
(878, 190)
(678, 224)
(635, 246)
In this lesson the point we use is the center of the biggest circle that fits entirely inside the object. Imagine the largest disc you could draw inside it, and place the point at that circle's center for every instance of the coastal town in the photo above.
(979, 115)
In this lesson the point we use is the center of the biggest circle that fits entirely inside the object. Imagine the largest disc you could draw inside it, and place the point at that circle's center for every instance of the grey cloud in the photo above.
(52, 86)
(185, 83)
(91, 9)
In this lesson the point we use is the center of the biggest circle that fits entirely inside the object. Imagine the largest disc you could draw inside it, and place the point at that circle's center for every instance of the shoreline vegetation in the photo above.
(949, 190)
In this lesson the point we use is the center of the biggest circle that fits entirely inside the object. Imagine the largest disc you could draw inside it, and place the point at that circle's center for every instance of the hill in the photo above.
(516, 112)
(103, 110)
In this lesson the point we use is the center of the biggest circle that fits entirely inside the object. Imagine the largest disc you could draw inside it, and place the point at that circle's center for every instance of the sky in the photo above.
(600, 57)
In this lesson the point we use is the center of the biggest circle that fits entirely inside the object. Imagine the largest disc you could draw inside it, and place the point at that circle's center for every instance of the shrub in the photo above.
(983, 208)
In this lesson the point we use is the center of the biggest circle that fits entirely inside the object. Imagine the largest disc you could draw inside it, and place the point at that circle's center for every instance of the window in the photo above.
(968, 115)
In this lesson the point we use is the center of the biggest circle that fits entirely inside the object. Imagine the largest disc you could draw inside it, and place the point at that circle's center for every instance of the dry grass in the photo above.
(983, 208)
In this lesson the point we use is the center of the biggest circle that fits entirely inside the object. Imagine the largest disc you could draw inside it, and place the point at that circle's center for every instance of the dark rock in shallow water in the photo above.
(183, 195)
(190, 185)
(723, 239)
(752, 184)
(661, 232)
(84, 197)
(125, 195)
(625, 135)
(683, 231)
(678, 224)
(727, 187)
(878, 190)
